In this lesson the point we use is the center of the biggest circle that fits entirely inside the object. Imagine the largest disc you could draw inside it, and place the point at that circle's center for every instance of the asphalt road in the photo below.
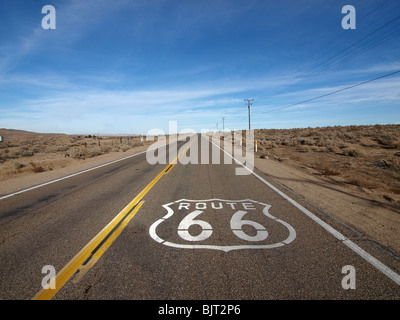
(182, 232)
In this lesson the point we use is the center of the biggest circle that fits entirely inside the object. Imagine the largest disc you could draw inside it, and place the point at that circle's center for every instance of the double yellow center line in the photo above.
(88, 256)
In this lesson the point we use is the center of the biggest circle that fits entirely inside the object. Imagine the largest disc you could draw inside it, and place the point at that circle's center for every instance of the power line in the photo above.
(352, 45)
(379, 39)
(330, 62)
(313, 70)
(359, 47)
(371, 43)
(327, 94)
(334, 92)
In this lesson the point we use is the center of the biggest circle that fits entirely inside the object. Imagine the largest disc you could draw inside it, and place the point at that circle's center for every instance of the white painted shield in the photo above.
(233, 217)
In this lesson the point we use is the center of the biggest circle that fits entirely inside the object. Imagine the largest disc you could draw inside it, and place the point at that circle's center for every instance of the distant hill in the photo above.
(18, 135)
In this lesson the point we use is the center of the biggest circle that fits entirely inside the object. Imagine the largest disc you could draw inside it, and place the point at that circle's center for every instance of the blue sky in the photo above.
(126, 67)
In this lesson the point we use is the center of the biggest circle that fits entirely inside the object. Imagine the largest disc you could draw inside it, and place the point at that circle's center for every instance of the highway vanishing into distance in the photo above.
(175, 231)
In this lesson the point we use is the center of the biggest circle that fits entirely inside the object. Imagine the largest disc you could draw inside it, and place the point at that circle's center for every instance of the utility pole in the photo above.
(249, 103)
(223, 123)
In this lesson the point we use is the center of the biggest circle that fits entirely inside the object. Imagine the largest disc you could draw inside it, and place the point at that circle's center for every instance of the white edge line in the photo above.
(71, 175)
(350, 244)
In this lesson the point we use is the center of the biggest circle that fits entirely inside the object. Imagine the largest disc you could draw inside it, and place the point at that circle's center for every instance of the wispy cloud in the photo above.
(197, 105)
(112, 66)
(102, 107)
(75, 19)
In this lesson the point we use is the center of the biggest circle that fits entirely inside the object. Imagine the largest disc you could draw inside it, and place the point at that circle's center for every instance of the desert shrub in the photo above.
(76, 153)
(348, 136)
(36, 168)
(343, 145)
(62, 148)
(324, 167)
(285, 142)
(85, 152)
(52, 149)
(18, 165)
(13, 154)
(297, 158)
(330, 172)
(92, 152)
(320, 142)
(308, 142)
(71, 145)
(37, 148)
(307, 132)
(389, 139)
(353, 152)
(303, 149)
(367, 143)
(269, 145)
(395, 162)
(137, 143)
(361, 181)
(105, 149)
(332, 148)
(260, 149)
(25, 152)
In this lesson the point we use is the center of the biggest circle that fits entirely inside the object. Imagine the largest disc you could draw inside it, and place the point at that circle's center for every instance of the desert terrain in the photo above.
(29, 158)
(350, 173)
(364, 156)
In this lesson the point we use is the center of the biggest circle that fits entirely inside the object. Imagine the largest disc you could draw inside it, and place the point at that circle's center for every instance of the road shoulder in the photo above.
(17, 183)
(357, 209)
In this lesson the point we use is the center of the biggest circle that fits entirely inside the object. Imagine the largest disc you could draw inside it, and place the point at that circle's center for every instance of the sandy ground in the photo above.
(20, 182)
(351, 205)
(361, 210)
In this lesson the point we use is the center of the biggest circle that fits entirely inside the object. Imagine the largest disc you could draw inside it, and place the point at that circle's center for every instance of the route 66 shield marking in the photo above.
(221, 225)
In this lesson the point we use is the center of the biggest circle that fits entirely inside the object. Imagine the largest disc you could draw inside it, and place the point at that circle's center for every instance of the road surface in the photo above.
(139, 231)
